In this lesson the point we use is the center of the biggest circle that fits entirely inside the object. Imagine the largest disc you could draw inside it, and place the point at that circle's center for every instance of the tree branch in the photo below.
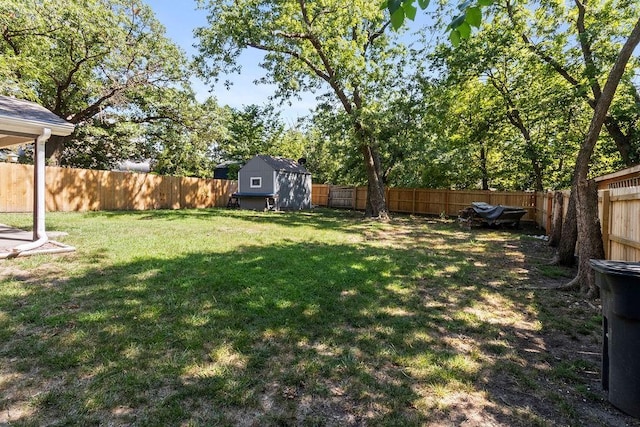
(587, 54)
(378, 33)
(541, 54)
(613, 127)
(329, 71)
(294, 54)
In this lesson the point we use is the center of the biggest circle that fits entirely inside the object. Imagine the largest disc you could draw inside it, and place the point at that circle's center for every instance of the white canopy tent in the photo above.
(25, 122)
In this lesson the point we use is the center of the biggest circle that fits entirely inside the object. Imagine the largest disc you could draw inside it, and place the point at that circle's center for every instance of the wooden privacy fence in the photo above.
(422, 200)
(92, 190)
(619, 212)
(544, 208)
(619, 209)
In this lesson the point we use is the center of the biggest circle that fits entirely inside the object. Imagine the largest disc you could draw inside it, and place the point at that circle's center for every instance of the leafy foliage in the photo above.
(469, 15)
(96, 63)
(341, 49)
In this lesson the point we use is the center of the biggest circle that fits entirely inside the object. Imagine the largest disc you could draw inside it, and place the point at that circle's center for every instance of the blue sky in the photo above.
(180, 19)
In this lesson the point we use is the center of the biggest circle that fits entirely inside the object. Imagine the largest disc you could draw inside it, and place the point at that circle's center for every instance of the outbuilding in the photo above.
(267, 182)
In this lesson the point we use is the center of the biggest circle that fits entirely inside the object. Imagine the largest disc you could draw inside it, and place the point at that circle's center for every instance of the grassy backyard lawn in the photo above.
(222, 317)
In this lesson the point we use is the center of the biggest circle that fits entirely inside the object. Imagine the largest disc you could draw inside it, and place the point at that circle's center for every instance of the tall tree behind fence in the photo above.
(92, 190)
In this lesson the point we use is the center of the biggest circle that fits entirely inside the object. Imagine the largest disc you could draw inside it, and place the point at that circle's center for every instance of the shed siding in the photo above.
(286, 180)
(256, 168)
(294, 190)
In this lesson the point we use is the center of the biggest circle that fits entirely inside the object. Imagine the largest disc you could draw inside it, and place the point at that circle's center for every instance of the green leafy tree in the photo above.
(468, 125)
(588, 225)
(86, 61)
(252, 130)
(186, 144)
(329, 149)
(599, 43)
(334, 46)
(468, 15)
(579, 41)
(534, 102)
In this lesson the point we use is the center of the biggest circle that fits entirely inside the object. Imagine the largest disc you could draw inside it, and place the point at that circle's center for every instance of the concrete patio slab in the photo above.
(12, 237)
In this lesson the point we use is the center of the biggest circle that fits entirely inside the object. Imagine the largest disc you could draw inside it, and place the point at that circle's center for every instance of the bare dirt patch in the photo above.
(554, 369)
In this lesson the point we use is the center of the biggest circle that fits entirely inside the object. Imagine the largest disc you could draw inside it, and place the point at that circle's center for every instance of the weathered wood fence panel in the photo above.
(620, 218)
(16, 188)
(544, 208)
(91, 190)
(320, 195)
(342, 197)
(422, 200)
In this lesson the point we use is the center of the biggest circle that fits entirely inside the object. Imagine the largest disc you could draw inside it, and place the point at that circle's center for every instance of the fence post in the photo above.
(606, 222)
(549, 198)
(446, 203)
(388, 193)
(354, 198)
(329, 197)
(413, 202)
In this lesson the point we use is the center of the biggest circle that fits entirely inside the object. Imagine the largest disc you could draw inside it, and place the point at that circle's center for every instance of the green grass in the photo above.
(220, 317)
(554, 271)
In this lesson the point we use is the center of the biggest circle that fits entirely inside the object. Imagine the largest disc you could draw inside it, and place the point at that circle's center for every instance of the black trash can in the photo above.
(619, 284)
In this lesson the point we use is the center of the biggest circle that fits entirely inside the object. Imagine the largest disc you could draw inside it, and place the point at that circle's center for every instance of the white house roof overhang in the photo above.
(25, 122)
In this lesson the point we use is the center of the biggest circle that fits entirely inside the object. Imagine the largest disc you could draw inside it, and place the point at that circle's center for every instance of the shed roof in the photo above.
(284, 165)
(21, 121)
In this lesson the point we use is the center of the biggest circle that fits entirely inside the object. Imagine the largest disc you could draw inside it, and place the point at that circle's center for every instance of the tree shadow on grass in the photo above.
(284, 334)
(319, 218)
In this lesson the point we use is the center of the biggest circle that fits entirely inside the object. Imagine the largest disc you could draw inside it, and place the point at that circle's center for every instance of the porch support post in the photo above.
(39, 185)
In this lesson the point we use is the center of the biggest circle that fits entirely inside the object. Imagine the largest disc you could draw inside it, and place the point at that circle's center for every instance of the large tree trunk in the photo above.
(589, 236)
(588, 224)
(555, 236)
(54, 149)
(565, 255)
(483, 168)
(530, 151)
(376, 200)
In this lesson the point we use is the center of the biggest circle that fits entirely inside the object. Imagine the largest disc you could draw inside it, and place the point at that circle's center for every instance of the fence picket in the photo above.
(90, 190)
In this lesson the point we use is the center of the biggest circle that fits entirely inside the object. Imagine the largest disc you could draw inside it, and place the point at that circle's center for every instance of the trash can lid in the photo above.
(622, 268)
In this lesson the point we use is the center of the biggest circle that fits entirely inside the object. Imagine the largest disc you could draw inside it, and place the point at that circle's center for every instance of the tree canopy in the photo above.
(95, 63)
(329, 47)
(502, 105)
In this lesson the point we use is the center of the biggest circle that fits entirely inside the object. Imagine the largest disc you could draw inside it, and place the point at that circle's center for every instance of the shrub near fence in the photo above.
(92, 190)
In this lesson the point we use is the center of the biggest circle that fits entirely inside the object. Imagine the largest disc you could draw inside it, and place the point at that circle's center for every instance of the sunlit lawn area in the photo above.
(222, 317)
